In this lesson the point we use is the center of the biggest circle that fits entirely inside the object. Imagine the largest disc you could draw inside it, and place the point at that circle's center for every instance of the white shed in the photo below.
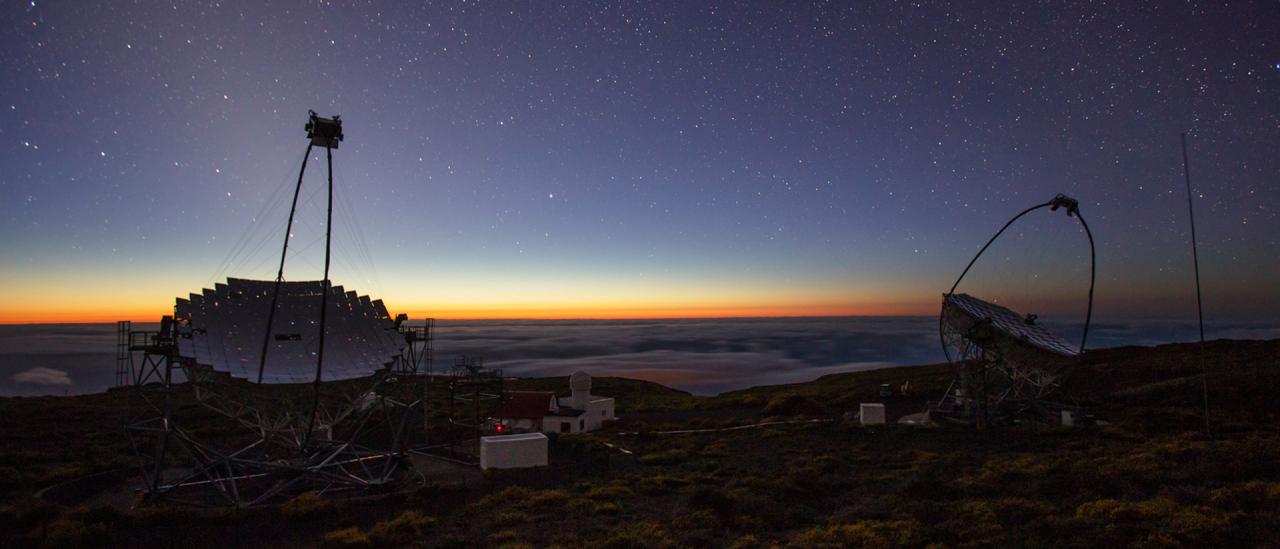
(513, 451)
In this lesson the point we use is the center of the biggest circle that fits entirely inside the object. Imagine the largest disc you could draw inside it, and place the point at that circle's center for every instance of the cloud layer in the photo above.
(42, 376)
(702, 356)
(700, 373)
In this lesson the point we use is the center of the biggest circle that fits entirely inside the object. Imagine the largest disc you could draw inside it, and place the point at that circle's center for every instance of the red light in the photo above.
(499, 427)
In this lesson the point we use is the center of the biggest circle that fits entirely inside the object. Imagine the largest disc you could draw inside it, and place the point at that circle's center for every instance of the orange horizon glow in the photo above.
(64, 298)
(692, 311)
(68, 298)
(21, 309)
(527, 313)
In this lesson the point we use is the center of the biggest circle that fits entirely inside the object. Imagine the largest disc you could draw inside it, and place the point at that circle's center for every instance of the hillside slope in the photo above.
(1149, 478)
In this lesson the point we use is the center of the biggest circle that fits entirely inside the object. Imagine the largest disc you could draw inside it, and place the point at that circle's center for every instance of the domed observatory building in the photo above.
(595, 409)
(531, 411)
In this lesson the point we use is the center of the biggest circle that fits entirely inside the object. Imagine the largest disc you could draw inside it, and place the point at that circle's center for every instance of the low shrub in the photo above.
(25, 515)
(717, 449)
(660, 484)
(408, 527)
(511, 517)
(643, 535)
(713, 499)
(700, 537)
(1249, 496)
(667, 457)
(784, 405)
(975, 521)
(347, 537)
(305, 505)
(864, 533)
(697, 519)
(512, 495)
(545, 500)
(1017, 511)
(66, 532)
(1114, 522)
(503, 537)
(610, 493)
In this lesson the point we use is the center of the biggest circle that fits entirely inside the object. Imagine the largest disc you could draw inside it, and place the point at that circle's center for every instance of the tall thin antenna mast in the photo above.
(1195, 257)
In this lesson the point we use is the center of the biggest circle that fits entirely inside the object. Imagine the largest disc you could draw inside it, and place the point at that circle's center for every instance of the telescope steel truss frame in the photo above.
(272, 458)
(418, 355)
(474, 393)
(134, 364)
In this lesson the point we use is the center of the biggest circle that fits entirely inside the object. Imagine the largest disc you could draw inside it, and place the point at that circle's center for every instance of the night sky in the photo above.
(641, 159)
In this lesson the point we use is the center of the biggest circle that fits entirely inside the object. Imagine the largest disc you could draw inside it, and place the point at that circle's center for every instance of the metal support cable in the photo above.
(347, 207)
(252, 231)
(284, 251)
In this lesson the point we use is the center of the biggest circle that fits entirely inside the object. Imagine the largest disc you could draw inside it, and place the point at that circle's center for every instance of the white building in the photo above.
(596, 409)
(581, 411)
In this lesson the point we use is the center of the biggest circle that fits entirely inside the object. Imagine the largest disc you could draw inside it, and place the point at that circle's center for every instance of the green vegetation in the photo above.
(305, 505)
(405, 529)
(1148, 478)
(347, 537)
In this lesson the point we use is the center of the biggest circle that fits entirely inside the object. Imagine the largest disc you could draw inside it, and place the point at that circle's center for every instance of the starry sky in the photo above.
(641, 159)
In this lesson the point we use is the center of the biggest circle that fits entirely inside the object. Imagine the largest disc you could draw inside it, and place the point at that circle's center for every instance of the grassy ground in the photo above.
(1149, 478)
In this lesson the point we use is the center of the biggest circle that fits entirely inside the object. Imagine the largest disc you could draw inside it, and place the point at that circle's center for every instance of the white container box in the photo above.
(871, 413)
(513, 451)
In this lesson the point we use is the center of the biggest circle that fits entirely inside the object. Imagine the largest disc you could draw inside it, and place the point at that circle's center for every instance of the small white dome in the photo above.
(580, 381)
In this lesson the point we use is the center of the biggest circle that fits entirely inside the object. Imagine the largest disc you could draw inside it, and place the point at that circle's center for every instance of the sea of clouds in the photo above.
(703, 356)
